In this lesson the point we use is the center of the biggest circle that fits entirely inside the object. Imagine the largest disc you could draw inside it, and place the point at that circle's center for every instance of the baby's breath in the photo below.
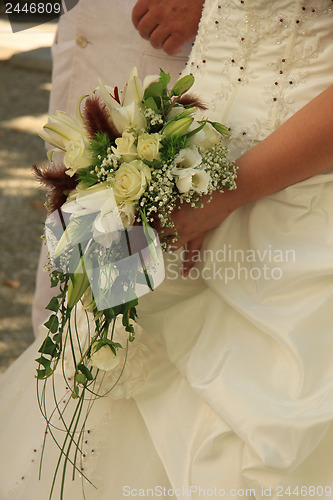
(154, 120)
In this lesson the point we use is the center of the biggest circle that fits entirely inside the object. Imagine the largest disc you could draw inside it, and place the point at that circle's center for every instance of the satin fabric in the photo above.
(250, 329)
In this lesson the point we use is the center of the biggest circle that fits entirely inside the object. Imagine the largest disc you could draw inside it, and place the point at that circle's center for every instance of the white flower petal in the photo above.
(103, 358)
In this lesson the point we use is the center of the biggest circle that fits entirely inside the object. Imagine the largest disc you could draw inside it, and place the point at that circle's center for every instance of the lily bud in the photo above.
(177, 127)
(222, 129)
(77, 285)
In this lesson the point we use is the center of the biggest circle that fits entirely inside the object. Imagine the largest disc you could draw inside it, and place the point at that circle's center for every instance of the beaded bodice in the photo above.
(257, 61)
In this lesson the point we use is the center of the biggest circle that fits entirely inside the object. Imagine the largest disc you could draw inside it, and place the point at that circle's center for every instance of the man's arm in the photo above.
(167, 24)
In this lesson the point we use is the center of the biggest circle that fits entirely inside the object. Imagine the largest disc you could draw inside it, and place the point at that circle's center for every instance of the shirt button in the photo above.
(81, 41)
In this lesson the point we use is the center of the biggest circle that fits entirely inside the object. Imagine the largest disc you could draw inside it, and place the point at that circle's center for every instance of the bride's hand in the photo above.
(192, 224)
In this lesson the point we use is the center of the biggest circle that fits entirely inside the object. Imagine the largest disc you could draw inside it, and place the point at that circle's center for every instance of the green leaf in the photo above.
(158, 89)
(48, 347)
(53, 305)
(196, 130)
(155, 89)
(55, 278)
(182, 85)
(164, 78)
(41, 374)
(80, 378)
(76, 394)
(43, 361)
(85, 371)
(57, 337)
(47, 366)
(52, 323)
(132, 303)
(151, 103)
(129, 328)
(109, 342)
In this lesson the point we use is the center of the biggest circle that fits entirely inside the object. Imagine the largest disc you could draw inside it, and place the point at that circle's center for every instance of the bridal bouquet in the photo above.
(129, 159)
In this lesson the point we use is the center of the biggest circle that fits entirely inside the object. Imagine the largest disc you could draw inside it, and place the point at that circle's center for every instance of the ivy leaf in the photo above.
(48, 347)
(53, 305)
(41, 374)
(52, 323)
(46, 363)
(85, 371)
(57, 337)
(80, 378)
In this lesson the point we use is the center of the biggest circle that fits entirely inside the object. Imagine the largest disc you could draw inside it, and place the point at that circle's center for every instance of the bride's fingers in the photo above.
(191, 252)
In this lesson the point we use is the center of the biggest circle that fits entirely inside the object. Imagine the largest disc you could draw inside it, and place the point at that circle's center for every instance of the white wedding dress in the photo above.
(228, 389)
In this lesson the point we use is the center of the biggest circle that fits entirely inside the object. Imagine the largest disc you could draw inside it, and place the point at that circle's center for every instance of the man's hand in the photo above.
(167, 24)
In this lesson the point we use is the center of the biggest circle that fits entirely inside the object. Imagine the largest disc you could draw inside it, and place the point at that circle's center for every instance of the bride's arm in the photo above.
(300, 148)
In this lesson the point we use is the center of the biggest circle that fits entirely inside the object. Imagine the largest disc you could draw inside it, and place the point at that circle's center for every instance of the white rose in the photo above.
(125, 147)
(148, 146)
(131, 180)
(191, 178)
(103, 358)
(77, 156)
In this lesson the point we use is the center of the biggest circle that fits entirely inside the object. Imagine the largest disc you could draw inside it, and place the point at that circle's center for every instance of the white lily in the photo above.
(67, 134)
(127, 113)
(100, 200)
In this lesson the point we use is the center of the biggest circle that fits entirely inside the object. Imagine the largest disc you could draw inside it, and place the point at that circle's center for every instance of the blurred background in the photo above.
(25, 82)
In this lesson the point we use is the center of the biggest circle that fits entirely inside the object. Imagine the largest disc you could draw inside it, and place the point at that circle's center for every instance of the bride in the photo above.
(229, 389)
